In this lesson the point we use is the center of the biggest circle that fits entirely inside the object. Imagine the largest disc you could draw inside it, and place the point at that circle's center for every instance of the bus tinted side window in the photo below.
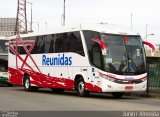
(69, 42)
(63, 42)
(75, 43)
(66, 46)
(59, 43)
(21, 49)
(52, 44)
(42, 44)
(35, 49)
(47, 42)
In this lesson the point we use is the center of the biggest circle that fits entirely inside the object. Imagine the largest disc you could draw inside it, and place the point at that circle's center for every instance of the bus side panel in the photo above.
(15, 76)
(39, 79)
(55, 80)
(48, 76)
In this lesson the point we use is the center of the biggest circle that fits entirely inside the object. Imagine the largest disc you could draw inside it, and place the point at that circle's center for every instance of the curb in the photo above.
(145, 94)
(154, 95)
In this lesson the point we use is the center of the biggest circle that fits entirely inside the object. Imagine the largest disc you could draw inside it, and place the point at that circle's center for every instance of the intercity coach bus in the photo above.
(97, 58)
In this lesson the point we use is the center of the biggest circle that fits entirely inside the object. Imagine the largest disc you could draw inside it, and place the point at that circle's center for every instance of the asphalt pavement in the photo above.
(16, 99)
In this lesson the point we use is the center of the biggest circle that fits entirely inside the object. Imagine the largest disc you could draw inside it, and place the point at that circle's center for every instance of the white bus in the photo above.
(97, 58)
(4, 60)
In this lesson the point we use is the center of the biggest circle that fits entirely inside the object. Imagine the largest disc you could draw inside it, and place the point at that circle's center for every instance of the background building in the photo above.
(7, 26)
(156, 53)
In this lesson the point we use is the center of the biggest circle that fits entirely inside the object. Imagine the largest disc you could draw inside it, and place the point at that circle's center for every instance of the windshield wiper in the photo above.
(132, 62)
(127, 61)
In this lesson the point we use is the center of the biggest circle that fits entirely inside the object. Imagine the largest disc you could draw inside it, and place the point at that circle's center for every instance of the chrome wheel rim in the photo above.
(27, 83)
(81, 87)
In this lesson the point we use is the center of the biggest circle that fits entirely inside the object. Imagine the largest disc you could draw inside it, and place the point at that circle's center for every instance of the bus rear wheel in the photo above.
(27, 84)
(81, 88)
(117, 94)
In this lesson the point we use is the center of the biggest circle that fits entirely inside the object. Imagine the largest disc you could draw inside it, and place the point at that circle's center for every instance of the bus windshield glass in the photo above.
(3, 46)
(124, 54)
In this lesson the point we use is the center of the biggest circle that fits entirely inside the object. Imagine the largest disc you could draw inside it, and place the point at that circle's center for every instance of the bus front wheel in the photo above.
(81, 88)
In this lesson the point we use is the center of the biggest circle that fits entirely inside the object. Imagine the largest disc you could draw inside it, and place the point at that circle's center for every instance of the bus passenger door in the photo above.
(94, 74)
(97, 62)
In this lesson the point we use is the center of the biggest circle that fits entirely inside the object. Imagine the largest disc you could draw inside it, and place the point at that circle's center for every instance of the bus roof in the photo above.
(102, 28)
(110, 29)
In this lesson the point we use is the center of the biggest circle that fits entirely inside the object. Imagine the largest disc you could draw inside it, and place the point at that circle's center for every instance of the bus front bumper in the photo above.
(109, 86)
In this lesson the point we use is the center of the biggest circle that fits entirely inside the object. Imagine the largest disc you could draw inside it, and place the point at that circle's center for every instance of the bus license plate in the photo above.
(129, 88)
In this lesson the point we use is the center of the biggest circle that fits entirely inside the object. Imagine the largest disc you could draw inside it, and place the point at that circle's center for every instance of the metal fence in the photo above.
(153, 67)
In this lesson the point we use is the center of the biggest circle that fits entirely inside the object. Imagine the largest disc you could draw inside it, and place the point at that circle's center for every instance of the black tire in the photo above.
(117, 95)
(27, 84)
(81, 88)
(57, 90)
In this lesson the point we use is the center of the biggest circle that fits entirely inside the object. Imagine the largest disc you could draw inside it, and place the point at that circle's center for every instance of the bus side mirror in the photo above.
(102, 45)
(150, 45)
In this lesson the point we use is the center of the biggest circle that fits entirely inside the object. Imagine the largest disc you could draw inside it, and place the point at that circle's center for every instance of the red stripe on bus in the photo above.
(42, 80)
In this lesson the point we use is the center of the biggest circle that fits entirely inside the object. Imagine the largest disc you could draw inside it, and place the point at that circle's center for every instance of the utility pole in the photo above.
(38, 26)
(146, 34)
(131, 20)
(46, 24)
(64, 13)
(31, 16)
(146, 31)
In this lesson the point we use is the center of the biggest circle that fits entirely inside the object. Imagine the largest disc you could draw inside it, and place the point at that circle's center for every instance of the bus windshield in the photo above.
(124, 54)
(3, 46)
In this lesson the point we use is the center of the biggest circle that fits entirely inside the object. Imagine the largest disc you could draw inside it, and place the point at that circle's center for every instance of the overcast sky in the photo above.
(92, 11)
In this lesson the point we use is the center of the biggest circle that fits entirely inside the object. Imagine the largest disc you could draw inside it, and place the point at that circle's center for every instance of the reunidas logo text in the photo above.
(60, 60)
